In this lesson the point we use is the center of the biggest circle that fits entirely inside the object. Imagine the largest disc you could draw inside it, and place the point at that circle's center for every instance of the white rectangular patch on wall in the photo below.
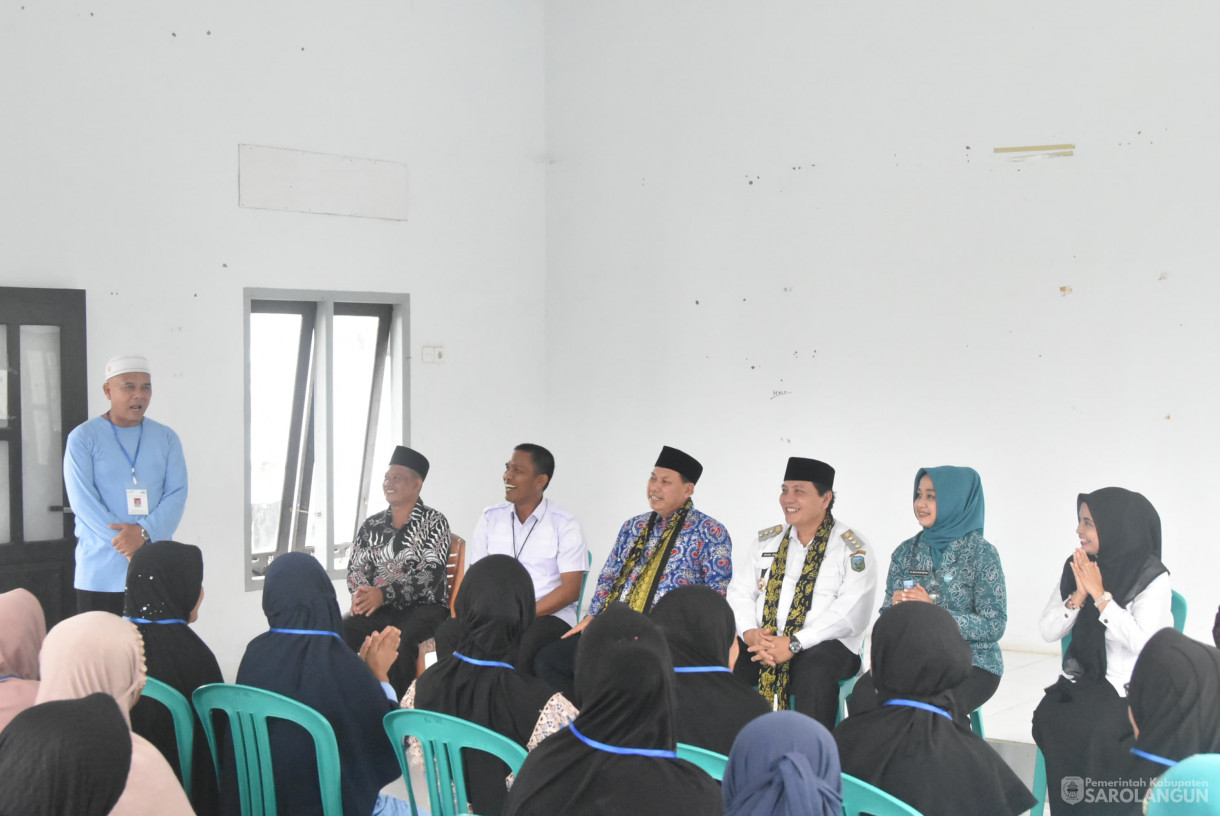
(276, 178)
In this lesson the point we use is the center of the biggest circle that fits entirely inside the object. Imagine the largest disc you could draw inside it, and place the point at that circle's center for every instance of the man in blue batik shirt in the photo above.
(673, 545)
(126, 481)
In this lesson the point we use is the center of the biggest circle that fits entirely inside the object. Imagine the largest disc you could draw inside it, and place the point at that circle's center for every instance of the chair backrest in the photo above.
(184, 724)
(248, 710)
(1189, 788)
(442, 738)
(455, 567)
(580, 599)
(861, 797)
(709, 761)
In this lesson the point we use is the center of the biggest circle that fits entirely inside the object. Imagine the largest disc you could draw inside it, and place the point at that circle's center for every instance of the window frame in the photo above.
(311, 434)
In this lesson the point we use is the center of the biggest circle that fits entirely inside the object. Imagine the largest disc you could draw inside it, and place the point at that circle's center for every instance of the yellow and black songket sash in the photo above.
(773, 681)
(639, 597)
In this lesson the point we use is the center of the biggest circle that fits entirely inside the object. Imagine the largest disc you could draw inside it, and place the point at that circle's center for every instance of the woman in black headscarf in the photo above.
(618, 756)
(478, 682)
(1113, 595)
(65, 758)
(164, 592)
(304, 657)
(713, 704)
(910, 746)
(783, 764)
(1175, 701)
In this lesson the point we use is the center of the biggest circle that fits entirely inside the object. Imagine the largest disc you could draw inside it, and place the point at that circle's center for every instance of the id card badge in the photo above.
(137, 502)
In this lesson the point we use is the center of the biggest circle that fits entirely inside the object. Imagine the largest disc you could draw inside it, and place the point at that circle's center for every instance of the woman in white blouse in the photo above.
(1113, 595)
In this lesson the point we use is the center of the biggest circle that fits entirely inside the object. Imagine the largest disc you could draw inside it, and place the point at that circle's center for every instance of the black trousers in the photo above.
(90, 601)
(813, 677)
(555, 665)
(976, 690)
(542, 632)
(417, 624)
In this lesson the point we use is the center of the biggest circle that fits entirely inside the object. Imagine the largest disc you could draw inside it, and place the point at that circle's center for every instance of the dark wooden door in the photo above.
(42, 397)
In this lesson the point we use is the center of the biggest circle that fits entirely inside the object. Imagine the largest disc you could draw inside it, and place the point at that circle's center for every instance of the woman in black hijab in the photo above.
(304, 657)
(1113, 595)
(910, 746)
(713, 704)
(618, 756)
(478, 682)
(1175, 701)
(65, 758)
(164, 591)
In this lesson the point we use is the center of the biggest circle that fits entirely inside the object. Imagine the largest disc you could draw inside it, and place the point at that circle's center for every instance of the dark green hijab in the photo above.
(959, 506)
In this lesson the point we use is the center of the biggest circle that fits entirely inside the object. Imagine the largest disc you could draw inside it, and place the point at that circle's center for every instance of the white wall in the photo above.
(781, 230)
(119, 139)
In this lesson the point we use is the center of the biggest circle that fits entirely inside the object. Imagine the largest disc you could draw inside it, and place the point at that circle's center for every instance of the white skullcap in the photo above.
(126, 363)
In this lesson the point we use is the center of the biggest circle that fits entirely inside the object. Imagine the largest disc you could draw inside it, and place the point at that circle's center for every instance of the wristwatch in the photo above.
(1106, 597)
(794, 645)
(144, 535)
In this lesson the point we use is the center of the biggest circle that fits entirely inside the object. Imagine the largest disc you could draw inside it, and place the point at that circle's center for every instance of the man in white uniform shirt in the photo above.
(802, 597)
(543, 537)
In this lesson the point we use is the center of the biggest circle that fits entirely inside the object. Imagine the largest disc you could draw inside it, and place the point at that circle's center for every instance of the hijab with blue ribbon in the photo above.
(959, 506)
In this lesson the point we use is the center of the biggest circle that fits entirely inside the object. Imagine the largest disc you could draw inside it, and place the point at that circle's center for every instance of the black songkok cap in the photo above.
(411, 459)
(684, 463)
(809, 470)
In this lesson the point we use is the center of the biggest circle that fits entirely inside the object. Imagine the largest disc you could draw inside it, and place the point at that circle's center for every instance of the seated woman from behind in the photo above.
(783, 764)
(65, 758)
(713, 703)
(304, 657)
(97, 652)
(22, 628)
(1174, 701)
(478, 682)
(910, 746)
(164, 592)
(618, 756)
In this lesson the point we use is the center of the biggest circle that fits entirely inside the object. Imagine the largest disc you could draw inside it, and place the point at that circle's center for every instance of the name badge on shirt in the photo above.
(137, 502)
(920, 573)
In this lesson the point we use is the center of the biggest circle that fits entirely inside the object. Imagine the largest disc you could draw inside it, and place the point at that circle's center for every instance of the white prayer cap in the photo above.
(126, 363)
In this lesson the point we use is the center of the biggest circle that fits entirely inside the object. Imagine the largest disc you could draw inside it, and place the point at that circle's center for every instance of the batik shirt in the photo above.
(971, 583)
(703, 554)
(407, 564)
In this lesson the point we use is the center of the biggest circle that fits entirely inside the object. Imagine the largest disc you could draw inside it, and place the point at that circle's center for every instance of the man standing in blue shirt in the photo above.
(126, 481)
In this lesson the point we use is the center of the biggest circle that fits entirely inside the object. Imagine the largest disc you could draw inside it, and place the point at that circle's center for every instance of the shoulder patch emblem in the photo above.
(770, 532)
(857, 562)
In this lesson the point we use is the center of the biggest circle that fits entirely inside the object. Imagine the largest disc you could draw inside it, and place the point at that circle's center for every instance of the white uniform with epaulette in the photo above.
(843, 595)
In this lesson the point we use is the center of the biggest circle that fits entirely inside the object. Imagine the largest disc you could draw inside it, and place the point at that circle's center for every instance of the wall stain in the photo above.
(775, 394)
(1163, 276)
(1065, 290)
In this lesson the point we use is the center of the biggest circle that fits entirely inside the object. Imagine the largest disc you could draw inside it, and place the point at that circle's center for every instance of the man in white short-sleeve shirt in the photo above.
(543, 537)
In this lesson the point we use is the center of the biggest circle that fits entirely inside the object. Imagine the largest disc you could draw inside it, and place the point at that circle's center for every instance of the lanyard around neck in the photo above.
(145, 620)
(131, 460)
(513, 526)
(701, 669)
(614, 749)
(1153, 757)
(924, 706)
(476, 662)
(307, 632)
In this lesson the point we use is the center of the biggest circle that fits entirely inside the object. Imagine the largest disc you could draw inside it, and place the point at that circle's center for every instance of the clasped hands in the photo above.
(1088, 578)
(767, 648)
(366, 600)
(129, 539)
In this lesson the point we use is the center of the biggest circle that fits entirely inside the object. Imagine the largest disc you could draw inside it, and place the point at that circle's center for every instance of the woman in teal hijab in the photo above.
(950, 564)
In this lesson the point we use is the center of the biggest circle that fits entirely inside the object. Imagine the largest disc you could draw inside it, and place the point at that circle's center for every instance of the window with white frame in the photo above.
(326, 402)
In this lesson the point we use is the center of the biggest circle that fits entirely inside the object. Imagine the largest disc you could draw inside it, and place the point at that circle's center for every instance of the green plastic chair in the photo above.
(709, 761)
(976, 723)
(860, 797)
(184, 724)
(1177, 608)
(442, 738)
(248, 710)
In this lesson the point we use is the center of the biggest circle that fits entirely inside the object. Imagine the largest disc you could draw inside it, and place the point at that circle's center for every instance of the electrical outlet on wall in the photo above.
(433, 354)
